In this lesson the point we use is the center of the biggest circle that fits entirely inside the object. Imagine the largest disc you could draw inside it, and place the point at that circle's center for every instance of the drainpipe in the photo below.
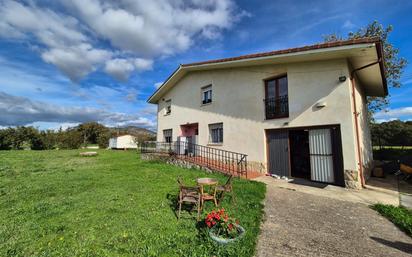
(355, 116)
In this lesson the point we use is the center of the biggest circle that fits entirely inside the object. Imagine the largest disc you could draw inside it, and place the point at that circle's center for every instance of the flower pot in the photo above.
(223, 240)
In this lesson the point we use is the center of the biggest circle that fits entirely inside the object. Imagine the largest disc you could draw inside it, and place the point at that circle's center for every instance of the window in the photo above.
(167, 135)
(276, 98)
(216, 133)
(207, 94)
(168, 107)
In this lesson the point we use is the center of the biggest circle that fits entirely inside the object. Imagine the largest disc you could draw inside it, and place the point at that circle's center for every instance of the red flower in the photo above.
(230, 226)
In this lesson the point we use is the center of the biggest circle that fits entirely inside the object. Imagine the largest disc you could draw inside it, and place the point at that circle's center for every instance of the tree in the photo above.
(392, 133)
(70, 139)
(103, 139)
(394, 65)
(91, 131)
(6, 139)
(36, 142)
(49, 138)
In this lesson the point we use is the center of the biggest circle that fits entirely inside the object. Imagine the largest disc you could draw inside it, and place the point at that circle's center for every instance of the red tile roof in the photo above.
(290, 50)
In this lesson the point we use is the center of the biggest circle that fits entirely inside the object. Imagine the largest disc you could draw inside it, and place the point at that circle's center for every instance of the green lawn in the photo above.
(55, 203)
(400, 216)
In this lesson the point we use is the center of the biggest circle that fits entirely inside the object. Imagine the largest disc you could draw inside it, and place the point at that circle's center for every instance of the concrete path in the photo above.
(301, 223)
(372, 194)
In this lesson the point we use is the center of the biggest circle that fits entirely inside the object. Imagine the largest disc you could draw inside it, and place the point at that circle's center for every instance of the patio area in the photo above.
(303, 220)
(373, 193)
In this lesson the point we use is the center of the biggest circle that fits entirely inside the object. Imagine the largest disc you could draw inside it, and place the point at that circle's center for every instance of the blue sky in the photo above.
(67, 62)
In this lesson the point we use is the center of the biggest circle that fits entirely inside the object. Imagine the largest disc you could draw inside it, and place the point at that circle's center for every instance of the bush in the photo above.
(70, 139)
(36, 142)
(6, 140)
(391, 154)
(400, 216)
(103, 139)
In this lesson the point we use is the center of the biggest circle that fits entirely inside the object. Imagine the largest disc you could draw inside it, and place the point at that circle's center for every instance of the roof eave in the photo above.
(379, 51)
(154, 98)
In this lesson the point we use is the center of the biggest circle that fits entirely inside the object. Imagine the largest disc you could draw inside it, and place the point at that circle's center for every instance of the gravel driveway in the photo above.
(301, 224)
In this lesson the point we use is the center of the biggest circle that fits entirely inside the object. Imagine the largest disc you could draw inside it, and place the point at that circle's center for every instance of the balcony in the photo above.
(276, 107)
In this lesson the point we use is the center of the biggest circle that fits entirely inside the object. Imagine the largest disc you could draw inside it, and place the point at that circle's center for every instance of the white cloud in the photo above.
(154, 27)
(403, 113)
(348, 25)
(158, 84)
(120, 69)
(17, 111)
(77, 61)
(143, 64)
(142, 30)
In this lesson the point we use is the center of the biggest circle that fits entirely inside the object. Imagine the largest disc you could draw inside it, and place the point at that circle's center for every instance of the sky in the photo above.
(67, 62)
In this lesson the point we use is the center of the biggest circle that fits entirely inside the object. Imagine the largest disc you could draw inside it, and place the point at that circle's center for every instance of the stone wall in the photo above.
(170, 159)
(256, 166)
(352, 179)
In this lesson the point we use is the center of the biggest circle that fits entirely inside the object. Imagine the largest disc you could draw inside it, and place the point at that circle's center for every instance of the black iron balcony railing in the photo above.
(215, 159)
(276, 107)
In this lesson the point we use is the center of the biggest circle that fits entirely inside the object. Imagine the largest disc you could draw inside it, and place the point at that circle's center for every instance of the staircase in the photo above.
(223, 161)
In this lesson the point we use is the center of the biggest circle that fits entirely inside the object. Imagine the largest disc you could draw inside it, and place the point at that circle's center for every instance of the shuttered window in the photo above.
(207, 94)
(167, 135)
(216, 133)
(168, 107)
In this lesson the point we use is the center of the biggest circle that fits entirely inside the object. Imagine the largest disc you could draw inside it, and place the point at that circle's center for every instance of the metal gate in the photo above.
(321, 155)
(278, 152)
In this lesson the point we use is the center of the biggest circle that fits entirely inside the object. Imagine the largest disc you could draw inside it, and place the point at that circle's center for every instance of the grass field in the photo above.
(55, 203)
(400, 216)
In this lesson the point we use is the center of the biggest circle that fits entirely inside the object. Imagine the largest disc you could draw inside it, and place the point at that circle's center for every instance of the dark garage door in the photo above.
(277, 142)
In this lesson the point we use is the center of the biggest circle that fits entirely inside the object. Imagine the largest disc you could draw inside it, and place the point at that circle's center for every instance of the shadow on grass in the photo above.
(174, 206)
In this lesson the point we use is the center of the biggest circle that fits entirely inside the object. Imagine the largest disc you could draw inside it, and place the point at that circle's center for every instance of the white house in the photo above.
(298, 112)
(123, 142)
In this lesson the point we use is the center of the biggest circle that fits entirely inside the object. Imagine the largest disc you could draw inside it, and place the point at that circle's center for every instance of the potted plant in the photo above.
(223, 228)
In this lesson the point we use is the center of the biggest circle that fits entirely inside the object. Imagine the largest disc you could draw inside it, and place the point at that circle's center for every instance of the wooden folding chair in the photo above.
(226, 188)
(404, 170)
(188, 195)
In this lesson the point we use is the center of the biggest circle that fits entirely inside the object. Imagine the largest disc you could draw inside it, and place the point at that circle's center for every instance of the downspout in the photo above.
(355, 116)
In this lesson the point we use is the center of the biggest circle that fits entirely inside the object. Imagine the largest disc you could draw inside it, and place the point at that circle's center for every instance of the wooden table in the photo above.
(204, 195)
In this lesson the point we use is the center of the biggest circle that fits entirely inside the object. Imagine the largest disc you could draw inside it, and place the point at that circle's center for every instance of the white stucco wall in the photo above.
(364, 131)
(238, 102)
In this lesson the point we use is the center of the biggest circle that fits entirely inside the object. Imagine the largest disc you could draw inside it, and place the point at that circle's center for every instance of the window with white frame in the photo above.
(167, 135)
(168, 107)
(207, 94)
(216, 133)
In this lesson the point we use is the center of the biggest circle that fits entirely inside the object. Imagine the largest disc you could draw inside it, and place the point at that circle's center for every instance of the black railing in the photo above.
(276, 107)
(212, 158)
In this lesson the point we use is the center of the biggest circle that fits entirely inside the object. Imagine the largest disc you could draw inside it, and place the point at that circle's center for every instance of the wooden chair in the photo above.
(188, 195)
(404, 170)
(226, 188)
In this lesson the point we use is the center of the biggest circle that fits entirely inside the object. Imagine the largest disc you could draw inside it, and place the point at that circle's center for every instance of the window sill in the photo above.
(215, 144)
(277, 117)
(205, 104)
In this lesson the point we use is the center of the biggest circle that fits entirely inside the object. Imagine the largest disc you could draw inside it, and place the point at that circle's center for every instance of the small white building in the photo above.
(123, 142)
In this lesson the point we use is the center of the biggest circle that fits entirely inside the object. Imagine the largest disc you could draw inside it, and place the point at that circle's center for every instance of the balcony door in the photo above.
(276, 97)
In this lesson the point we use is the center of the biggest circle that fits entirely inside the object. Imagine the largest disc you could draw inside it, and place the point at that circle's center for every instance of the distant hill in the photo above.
(134, 131)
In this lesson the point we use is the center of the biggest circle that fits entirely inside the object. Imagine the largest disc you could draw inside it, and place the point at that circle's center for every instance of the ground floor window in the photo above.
(167, 135)
(216, 133)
